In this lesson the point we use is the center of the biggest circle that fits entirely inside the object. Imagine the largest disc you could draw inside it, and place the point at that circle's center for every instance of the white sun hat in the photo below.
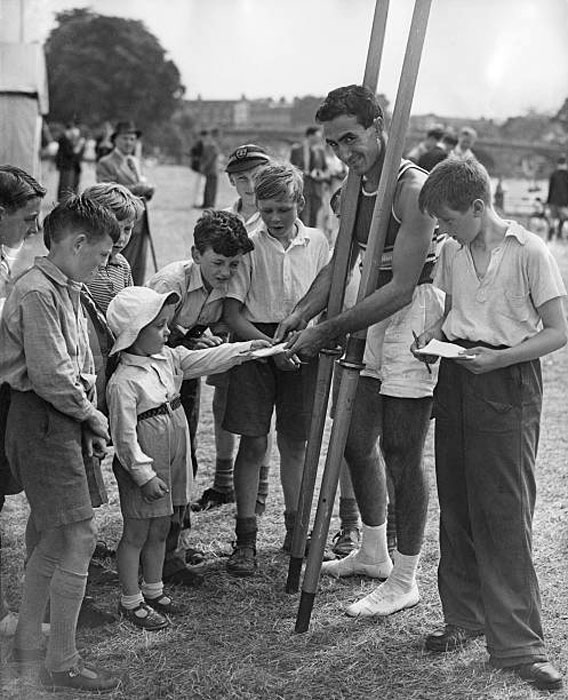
(131, 310)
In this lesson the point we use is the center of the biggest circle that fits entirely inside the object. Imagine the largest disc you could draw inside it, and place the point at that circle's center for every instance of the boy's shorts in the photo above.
(44, 449)
(255, 388)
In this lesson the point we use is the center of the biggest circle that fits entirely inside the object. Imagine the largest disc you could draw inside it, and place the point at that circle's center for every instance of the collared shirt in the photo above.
(197, 305)
(252, 224)
(501, 307)
(142, 383)
(110, 280)
(271, 280)
(44, 345)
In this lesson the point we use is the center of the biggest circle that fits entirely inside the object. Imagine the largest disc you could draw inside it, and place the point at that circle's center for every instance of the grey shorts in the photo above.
(44, 449)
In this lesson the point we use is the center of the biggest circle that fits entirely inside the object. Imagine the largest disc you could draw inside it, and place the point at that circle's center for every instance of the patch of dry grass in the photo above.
(236, 638)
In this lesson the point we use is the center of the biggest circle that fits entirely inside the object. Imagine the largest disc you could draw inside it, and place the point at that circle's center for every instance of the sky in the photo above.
(481, 58)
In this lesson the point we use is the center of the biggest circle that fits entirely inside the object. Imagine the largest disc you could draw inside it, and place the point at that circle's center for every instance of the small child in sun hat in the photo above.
(149, 429)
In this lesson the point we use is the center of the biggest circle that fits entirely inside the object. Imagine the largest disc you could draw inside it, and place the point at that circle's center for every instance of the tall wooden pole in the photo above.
(350, 196)
(352, 361)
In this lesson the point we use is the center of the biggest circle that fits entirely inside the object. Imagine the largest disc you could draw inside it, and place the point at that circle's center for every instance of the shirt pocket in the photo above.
(515, 306)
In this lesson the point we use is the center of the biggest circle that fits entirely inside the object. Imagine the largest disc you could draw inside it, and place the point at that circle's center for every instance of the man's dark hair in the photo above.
(17, 187)
(222, 231)
(79, 214)
(355, 100)
(437, 134)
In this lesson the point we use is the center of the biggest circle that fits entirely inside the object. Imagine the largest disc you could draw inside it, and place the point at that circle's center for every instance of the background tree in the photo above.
(109, 68)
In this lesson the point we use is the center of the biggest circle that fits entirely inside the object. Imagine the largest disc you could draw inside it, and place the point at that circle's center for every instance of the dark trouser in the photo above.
(68, 183)
(137, 249)
(190, 395)
(402, 425)
(487, 429)
(210, 192)
(313, 197)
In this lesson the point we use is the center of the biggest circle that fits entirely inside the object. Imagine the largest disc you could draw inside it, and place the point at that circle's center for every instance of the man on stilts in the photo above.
(394, 396)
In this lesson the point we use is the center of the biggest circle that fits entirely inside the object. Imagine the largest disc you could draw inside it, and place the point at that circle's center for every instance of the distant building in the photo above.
(264, 113)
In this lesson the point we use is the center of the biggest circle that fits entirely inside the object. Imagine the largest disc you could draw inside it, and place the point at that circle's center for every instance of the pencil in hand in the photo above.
(426, 363)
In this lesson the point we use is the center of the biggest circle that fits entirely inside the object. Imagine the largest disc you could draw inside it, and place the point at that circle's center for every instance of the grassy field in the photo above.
(236, 638)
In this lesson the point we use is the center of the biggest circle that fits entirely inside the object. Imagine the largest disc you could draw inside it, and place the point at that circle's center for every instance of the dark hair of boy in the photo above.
(17, 187)
(356, 100)
(222, 231)
(455, 184)
(79, 214)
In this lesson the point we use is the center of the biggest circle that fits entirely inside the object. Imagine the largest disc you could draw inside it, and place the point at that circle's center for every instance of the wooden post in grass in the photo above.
(328, 356)
(352, 361)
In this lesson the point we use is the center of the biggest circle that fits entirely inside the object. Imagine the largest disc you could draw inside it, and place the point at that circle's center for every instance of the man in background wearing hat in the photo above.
(309, 157)
(242, 166)
(122, 166)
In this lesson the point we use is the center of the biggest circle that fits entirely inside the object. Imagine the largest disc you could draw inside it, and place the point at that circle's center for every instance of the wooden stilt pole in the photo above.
(352, 361)
(328, 356)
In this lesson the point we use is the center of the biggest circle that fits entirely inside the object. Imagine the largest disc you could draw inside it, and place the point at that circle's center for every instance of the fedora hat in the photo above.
(126, 127)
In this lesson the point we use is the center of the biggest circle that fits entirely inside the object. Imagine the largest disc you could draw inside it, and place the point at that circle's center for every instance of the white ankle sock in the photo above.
(131, 601)
(152, 590)
(403, 574)
(373, 543)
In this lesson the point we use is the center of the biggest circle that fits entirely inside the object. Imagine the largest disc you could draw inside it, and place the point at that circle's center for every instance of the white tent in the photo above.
(23, 101)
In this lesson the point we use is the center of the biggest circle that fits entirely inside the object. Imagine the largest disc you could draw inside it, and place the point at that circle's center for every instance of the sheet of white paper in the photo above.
(268, 352)
(441, 348)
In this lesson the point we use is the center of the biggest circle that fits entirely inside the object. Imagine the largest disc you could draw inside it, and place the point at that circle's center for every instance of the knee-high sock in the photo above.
(66, 592)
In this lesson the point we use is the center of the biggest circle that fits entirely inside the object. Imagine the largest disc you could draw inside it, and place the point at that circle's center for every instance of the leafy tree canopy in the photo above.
(108, 68)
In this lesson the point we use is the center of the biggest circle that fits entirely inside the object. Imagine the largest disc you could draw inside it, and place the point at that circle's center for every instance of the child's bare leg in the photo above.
(154, 549)
(247, 470)
(128, 553)
(292, 453)
(242, 562)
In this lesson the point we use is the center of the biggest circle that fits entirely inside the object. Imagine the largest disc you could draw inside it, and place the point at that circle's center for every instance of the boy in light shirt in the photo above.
(270, 281)
(504, 307)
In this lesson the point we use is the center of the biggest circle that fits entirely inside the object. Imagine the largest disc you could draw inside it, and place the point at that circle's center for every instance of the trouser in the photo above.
(136, 249)
(210, 192)
(486, 437)
(190, 395)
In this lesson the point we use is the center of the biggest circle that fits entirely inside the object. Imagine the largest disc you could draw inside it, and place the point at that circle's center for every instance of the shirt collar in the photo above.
(517, 231)
(302, 236)
(127, 358)
(196, 282)
(50, 270)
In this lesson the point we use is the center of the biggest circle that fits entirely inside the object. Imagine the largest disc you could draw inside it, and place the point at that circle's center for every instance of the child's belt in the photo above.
(161, 410)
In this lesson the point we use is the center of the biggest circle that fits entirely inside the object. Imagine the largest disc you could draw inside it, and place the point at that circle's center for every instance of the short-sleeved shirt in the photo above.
(197, 306)
(501, 307)
(271, 280)
(110, 280)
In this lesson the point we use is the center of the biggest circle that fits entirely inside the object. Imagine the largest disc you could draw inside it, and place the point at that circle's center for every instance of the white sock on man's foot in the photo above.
(373, 547)
(371, 559)
(398, 592)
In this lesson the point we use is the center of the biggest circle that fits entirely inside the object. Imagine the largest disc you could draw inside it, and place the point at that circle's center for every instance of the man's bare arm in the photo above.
(411, 247)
